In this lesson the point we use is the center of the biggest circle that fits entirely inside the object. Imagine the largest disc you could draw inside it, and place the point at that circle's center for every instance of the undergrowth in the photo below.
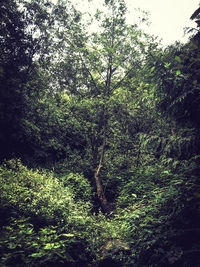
(46, 221)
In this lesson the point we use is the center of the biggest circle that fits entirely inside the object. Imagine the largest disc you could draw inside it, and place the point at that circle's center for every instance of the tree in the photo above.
(174, 74)
(195, 16)
(27, 45)
(93, 67)
(16, 53)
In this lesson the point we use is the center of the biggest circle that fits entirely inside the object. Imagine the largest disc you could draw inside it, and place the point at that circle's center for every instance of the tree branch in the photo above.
(119, 83)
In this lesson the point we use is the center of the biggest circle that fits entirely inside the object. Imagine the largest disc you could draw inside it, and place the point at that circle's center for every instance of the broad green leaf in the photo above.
(152, 69)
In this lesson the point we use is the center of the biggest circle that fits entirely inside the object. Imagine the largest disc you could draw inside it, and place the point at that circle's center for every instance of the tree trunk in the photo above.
(100, 191)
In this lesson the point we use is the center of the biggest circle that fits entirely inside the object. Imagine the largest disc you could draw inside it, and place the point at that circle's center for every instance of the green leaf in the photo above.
(178, 59)
(167, 65)
(49, 246)
(178, 72)
(34, 244)
(12, 245)
(134, 195)
(167, 172)
(68, 235)
(36, 255)
(195, 82)
(29, 231)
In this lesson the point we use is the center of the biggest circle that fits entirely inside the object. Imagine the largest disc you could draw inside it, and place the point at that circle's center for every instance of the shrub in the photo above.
(34, 193)
(78, 185)
(48, 226)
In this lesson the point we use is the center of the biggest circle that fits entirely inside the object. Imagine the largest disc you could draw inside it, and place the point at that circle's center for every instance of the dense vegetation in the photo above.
(100, 146)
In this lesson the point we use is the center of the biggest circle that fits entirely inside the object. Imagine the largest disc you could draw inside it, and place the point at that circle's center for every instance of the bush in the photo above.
(141, 184)
(21, 245)
(49, 222)
(46, 224)
(78, 185)
(160, 223)
(34, 193)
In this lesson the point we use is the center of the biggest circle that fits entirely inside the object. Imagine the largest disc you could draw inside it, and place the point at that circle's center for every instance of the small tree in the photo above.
(93, 67)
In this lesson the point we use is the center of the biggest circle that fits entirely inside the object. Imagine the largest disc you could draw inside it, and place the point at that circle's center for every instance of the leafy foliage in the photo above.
(108, 122)
(33, 192)
(16, 52)
(46, 223)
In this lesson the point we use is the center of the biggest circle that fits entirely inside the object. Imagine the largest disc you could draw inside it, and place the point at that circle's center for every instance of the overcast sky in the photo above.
(168, 17)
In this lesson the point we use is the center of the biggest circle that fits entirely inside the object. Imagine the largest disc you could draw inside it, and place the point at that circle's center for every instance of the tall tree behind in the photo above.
(26, 48)
(16, 52)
